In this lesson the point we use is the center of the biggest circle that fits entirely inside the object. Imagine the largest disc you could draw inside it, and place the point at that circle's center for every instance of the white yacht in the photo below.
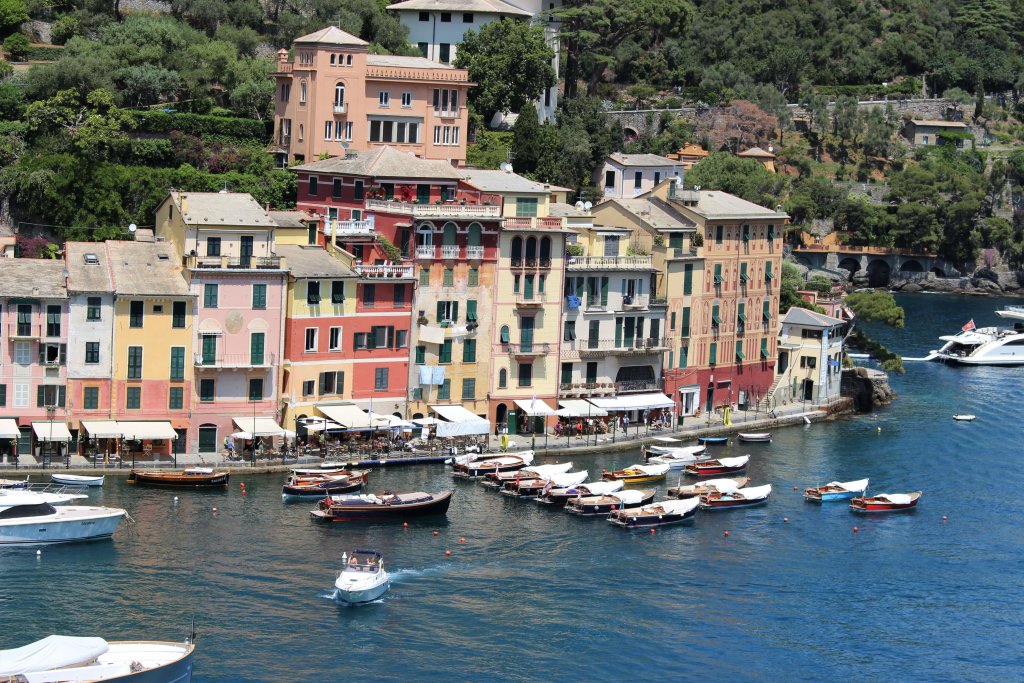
(30, 518)
(986, 345)
(362, 578)
(65, 659)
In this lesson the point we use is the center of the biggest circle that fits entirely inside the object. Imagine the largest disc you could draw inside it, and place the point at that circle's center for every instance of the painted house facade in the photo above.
(335, 97)
(631, 175)
(810, 358)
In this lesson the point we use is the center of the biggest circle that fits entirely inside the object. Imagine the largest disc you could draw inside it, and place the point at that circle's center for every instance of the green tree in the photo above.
(64, 29)
(880, 306)
(526, 140)
(16, 46)
(12, 13)
(742, 177)
(509, 61)
(846, 123)
(490, 149)
(93, 125)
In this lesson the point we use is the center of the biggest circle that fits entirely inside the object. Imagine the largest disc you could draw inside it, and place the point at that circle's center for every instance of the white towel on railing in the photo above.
(431, 335)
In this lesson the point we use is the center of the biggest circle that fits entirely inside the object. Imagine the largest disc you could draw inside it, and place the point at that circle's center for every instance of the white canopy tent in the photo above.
(577, 407)
(534, 407)
(102, 429)
(140, 431)
(460, 422)
(634, 402)
(319, 424)
(347, 415)
(9, 429)
(426, 421)
(260, 426)
(388, 421)
(51, 431)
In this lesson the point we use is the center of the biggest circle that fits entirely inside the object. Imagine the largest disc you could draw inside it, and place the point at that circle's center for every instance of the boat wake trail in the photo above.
(931, 356)
(402, 574)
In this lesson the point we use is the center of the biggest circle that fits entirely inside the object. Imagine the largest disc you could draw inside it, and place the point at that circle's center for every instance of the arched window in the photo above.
(517, 251)
(301, 132)
(545, 251)
(449, 235)
(302, 92)
(531, 249)
(502, 378)
(339, 95)
(425, 235)
(474, 234)
(333, 57)
(504, 334)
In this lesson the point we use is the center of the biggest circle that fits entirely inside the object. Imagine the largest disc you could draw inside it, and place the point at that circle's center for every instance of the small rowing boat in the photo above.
(558, 497)
(836, 490)
(675, 450)
(886, 502)
(193, 477)
(76, 480)
(710, 468)
(756, 437)
(708, 486)
(590, 506)
(497, 480)
(529, 488)
(964, 417)
(386, 506)
(297, 488)
(637, 474)
(712, 439)
(502, 463)
(94, 660)
(675, 461)
(656, 514)
(741, 498)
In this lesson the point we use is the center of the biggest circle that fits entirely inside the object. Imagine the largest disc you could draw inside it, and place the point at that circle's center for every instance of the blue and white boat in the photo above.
(712, 439)
(836, 490)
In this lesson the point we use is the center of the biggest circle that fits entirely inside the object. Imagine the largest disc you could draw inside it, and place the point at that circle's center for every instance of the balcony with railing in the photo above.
(447, 113)
(340, 109)
(586, 389)
(235, 360)
(450, 252)
(475, 252)
(527, 299)
(385, 272)
(637, 385)
(609, 263)
(17, 330)
(532, 222)
(445, 210)
(235, 263)
(589, 348)
(530, 263)
(425, 253)
(631, 302)
(350, 228)
(528, 349)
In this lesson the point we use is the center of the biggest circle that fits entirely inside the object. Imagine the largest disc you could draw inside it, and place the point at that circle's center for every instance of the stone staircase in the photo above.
(767, 404)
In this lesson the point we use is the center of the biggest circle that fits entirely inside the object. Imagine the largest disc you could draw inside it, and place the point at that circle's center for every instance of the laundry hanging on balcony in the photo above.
(572, 301)
(431, 335)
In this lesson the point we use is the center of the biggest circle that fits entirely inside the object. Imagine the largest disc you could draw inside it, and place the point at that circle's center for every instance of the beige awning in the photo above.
(101, 429)
(260, 426)
(347, 415)
(9, 429)
(51, 431)
(143, 431)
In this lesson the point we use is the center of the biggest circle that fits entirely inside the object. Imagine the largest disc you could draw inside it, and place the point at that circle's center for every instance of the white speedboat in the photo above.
(76, 480)
(986, 345)
(362, 578)
(92, 660)
(755, 436)
(30, 518)
(960, 417)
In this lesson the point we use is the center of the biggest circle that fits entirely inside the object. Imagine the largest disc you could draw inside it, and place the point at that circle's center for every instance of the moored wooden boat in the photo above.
(741, 498)
(836, 490)
(497, 480)
(676, 461)
(94, 660)
(885, 502)
(589, 506)
(755, 436)
(636, 474)
(386, 506)
(708, 486)
(501, 463)
(193, 477)
(652, 451)
(558, 497)
(712, 439)
(76, 480)
(534, 486)
(297, 487)
(711, 468)
(656, 514)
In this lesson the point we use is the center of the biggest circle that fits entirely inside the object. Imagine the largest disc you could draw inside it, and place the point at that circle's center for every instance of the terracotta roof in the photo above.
(478, 6)
(312, 261)
(32, 278)
(88, 267)
(223, 209)
(692, 150)
(146, 269)
(384, 162)
(332, 35)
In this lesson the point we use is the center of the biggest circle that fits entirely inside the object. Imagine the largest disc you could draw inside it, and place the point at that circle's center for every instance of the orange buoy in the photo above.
(447, 553)
(652, 531)
(405, 525)
(462, 539)
(435, 533)
(796, 488)
(855, 529)
(785, 519)
(725, 533)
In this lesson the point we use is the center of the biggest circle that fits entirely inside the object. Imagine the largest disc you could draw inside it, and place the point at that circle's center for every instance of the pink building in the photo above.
(33, 358)
(336, 97)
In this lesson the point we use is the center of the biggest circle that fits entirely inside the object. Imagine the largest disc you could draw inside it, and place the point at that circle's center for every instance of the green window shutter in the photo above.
(471, 311)
(766, 311)
(449, 278)
(713, 354)
(440, 311)
(746, 233)
(259, 296)
(672, 323)
(718, 273)
(741, 318)
(743, 272)
(685, 332)
(768, 271)
(469, 351)
(455, 311)
(683, 351)
(771, 232)
(579, 287)
(764, 348)
(618, 332)
(474, 277)
(210, 296)
(444, 392)
(177, 363)
(446, 351)
(61, 396)
(739, 351)
(175, 399)
(256, 344)
(504, 335)
(671, 358)
(421, 355)
(40, 396)
(468, 389)
(688, 279)
(715, 320)
(719, 233)
(424, 277)
(604, 291)
(675, 241)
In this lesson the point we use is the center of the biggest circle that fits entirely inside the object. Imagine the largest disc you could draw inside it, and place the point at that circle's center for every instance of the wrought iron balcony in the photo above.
(637, 385)
(587, 389)
(234, 360)
(609, 263)
(590, 348)
(530, 349)
(535, 299)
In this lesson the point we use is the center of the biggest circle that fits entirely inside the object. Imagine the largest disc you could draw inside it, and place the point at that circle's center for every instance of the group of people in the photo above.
(580, 427)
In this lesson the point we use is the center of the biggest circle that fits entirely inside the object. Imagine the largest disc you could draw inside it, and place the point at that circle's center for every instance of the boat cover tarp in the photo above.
(460, 422)
(895, 498)
(102, 429)
(650, 469)
(629, 496)
(260, 426)
(347, 415)
(634, 402)
(582, 408)
(139, 431)
(534, 407)
(9, 429)
(600, 488)
(564, 479)
(734, 462)
(550, 470)
(670, 507)
(858, 485)
(51, 431)
(51, 652)
(755, 492)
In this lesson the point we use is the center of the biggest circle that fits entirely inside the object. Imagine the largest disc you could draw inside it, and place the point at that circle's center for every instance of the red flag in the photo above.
(969, 326)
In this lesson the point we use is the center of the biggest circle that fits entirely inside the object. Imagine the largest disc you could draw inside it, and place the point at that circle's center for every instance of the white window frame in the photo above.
(328, 129)
(384, 99)
(316, 340)
(303, 92)
(348, 131)
(332, 343)
(22, 353)
(437, 135)
(21, 395)
(406, 100)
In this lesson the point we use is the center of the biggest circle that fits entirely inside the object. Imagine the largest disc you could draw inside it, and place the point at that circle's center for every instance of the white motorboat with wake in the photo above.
(362, 578)
(985, 345)
(30, 518)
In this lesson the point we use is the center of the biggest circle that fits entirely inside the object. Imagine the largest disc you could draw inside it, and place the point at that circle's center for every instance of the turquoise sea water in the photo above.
(535, 594)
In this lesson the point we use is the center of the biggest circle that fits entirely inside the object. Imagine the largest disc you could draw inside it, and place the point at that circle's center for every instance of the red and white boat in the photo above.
(713, 468)
(886, 502)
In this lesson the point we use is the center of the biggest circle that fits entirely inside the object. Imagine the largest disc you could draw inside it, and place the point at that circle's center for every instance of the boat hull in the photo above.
(629, 479)
(50, 529)
(817, 497)
(630, 522)
(755, 438)
(357, 597)
(179, 671)
(437, 505)
(592, 510)
(308, 492)
(879, 507)
(713, 471)
(72, 480)
(731, 504)
(712, 439)
(178, 480)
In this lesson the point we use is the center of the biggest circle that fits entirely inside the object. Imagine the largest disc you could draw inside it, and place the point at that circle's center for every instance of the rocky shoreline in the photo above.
(984, 282)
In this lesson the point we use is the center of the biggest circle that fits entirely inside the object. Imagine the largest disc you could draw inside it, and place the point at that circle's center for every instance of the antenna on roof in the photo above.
(588, 205)
(579, 205)
(506, 167)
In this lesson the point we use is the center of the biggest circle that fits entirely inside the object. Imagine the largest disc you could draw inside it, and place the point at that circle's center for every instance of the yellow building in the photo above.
(810, 358)
(152, 338)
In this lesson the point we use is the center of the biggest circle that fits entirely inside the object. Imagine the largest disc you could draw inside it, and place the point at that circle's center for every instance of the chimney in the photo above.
(184, 203)
(282, 56)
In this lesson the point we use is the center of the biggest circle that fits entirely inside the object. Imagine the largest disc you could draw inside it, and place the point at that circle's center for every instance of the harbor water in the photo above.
(537, 594)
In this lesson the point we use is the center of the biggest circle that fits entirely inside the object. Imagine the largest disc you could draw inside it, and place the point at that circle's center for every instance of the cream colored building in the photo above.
(810, 358)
